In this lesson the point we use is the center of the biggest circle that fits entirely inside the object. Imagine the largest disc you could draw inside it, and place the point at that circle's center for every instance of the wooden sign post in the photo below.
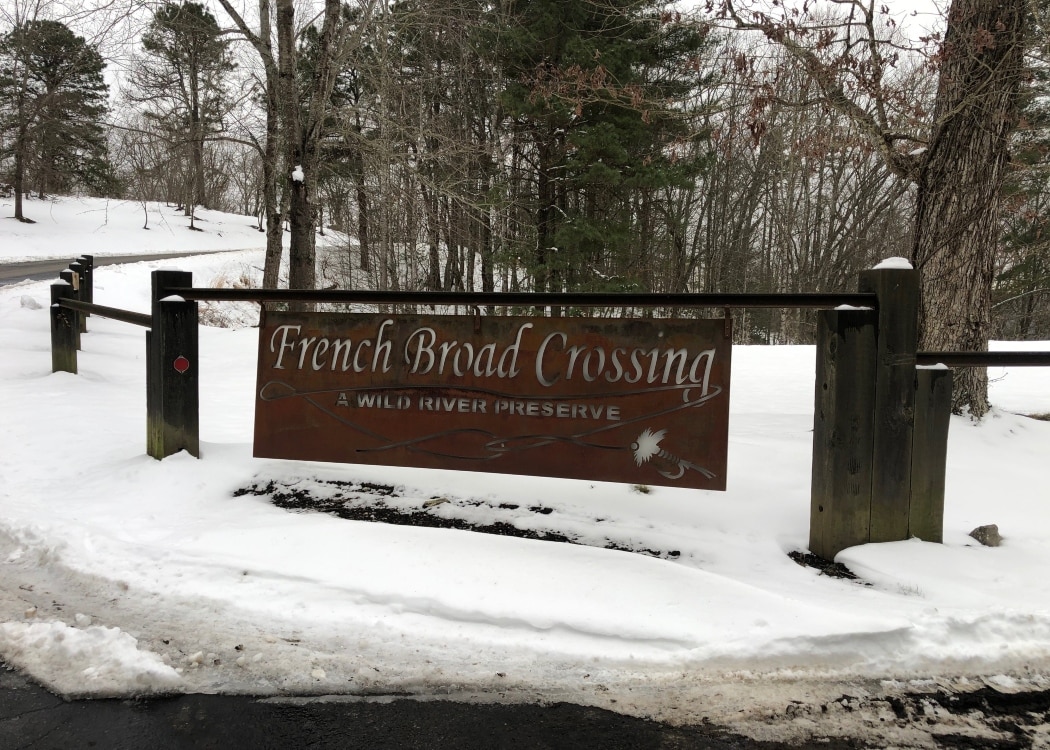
(172, 365)
(880, 425)
(64, 331)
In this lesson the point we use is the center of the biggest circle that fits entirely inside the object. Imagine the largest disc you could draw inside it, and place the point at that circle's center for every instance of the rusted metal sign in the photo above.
(640, 401)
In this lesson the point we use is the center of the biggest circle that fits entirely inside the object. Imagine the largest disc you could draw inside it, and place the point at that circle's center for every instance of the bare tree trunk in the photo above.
(271, 157)
(300, 158)
(270, 151)
(20, 171)
(363, 239)
(196, 192)
(960, 183)
(430, 205)
(544, 218)
(488, 281)
(274, 220)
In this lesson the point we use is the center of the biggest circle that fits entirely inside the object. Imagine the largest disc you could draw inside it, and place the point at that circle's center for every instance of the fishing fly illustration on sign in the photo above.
(621, 400)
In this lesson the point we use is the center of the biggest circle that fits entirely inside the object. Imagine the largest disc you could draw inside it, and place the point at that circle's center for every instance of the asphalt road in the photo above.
(33, 719)
(40, 270)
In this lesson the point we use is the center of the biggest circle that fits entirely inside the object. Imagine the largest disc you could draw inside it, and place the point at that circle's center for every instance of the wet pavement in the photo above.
(31, 718)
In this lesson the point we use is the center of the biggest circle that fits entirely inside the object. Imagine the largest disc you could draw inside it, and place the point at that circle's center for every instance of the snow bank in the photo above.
(95, 660)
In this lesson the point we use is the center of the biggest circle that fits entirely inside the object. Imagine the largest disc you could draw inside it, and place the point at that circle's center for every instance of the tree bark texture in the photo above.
(20, 170)
(299, 156)
(960, 182)
(270, 158)
(262, 42)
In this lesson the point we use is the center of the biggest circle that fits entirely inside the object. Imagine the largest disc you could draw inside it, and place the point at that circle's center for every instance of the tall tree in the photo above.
(303, 125)
(268, 145)
(442, 103)
(300, 114)
(52, 101)
(183, 81)
(1021, 301)
(956, 159)
(596, 93)
(341, 168)
(960, 179)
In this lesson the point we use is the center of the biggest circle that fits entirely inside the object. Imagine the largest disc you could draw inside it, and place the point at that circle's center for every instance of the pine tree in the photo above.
(52, 101)
(597, 93)
(1021, 291)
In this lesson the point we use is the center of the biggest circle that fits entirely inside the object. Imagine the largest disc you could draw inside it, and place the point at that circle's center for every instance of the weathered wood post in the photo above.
(87, 262)
(80, 291)
(897, 290)
(63, 331)
(843, 424)
(73, 280)
(864, 452)
(933, 411)
(172, 397)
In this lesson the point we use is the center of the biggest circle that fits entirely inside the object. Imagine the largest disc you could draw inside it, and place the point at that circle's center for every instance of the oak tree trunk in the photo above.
(961, 179)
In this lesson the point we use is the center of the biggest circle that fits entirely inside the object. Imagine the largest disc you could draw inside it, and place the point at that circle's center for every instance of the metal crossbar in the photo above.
(528, 299)
(984, 359)
(519, 299)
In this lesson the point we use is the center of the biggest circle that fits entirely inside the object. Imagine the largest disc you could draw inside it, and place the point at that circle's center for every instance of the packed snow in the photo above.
(122, 575)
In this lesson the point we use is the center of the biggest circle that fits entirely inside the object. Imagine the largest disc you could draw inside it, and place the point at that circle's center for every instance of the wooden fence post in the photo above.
(933, 411)
(63, 331)
(80, 289)
(87, 262)
(897, 291)
(843, 423)
(172, 397)
(70, 277)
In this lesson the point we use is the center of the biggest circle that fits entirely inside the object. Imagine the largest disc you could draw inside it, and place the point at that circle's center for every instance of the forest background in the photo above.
(568, 145)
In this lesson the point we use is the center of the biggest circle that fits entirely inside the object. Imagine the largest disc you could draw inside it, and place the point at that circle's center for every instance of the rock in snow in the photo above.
(987, 535)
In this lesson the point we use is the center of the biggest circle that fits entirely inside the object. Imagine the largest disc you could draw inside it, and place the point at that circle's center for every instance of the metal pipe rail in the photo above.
(984, 359)
(126, 316)
(528, 299)
(813, 300)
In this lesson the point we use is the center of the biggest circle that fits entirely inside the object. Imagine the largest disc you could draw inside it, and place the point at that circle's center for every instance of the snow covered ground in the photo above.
(67, 227)
(122, 575)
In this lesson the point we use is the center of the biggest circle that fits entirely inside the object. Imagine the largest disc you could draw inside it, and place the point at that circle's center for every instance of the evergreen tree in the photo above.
(596, 92)
(1021, 291)
(52, 101)
(446, 85)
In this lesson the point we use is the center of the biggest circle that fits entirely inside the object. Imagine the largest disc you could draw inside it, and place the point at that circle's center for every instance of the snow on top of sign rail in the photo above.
(898, 263)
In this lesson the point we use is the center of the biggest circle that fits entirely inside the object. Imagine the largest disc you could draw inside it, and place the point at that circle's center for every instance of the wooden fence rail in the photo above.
(172, 385)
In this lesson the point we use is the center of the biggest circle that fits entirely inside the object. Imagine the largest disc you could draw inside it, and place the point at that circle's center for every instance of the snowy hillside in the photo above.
(67, 227)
